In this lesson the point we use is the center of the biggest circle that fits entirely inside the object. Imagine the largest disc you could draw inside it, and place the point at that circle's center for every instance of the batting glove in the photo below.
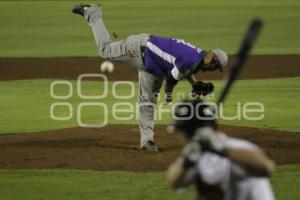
(191, 154)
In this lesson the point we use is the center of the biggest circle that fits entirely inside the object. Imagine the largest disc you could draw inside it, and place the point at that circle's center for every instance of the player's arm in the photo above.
(192, 79)
(182, 172)
(254, 161)
(178, 177)
(251, 159)
(170, 82)
(169, 87)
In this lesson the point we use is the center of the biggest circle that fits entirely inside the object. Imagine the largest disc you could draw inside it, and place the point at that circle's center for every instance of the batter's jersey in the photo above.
(172, 58)
(232, 180)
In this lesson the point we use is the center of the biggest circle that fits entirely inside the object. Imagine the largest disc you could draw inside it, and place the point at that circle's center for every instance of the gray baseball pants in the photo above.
(129, 51)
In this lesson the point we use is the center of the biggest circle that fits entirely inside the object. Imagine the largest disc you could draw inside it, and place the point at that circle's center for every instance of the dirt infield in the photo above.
(70, 68)
(112, 148)
(115, 147)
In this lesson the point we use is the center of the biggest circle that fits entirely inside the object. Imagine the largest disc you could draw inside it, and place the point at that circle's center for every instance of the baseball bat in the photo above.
(247, 43)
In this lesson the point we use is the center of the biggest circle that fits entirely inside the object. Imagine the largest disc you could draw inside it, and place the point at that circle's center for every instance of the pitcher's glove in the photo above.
(201, 88)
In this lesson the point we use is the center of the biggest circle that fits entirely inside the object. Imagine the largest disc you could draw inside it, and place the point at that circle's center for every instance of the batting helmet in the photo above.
(190, 115)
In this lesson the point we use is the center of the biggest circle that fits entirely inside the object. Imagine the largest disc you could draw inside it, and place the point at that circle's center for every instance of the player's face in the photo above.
(211, 62)
(214, 64)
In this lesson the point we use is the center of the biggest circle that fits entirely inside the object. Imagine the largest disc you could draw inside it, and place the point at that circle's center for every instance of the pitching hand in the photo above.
(168, 98)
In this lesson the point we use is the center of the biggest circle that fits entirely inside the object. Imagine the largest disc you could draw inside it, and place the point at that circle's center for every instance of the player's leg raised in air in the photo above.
(128, 51)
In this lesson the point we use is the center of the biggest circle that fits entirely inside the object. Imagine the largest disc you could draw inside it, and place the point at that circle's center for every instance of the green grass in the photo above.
(286, 182)
(73, 185)
(41, 184)
(48, 28)
(25, 104)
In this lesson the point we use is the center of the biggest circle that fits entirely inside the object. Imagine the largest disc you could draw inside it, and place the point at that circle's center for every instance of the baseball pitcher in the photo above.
(220, 166)
(157, 59)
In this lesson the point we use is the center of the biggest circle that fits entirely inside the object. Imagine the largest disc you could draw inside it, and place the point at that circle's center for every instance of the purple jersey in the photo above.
(172, 58)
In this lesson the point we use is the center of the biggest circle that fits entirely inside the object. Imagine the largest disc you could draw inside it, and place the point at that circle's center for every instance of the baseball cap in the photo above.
(222, 57)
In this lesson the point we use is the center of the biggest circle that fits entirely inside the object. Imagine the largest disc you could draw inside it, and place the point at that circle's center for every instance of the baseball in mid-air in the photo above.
(107, 67)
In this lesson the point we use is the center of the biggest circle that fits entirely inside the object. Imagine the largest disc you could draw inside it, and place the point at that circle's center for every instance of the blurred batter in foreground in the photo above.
(221, 167)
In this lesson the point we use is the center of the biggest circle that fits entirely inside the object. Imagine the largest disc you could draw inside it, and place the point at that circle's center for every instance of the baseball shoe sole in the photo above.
(79, 9)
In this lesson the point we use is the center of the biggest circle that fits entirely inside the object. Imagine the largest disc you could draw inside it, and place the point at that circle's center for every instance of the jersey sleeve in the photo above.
(181, 69)
(186, 57)
(187, 62)
(175, 74)
(173, 77)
